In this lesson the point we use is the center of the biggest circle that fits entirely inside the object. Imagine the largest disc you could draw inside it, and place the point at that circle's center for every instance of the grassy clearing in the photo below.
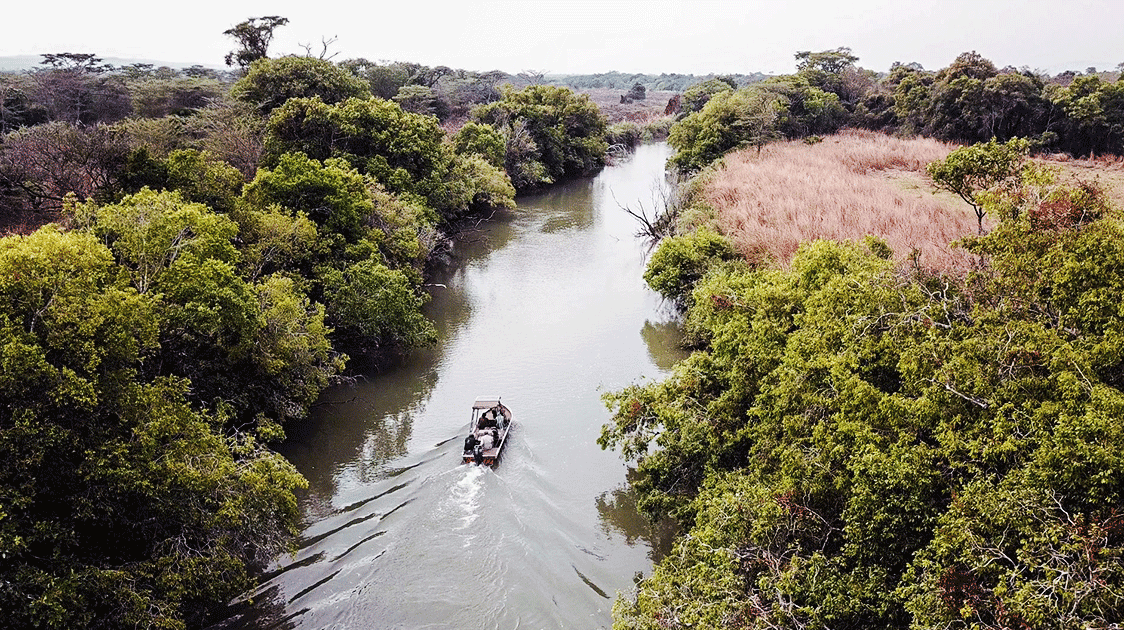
(1108, 171)
(846, 187)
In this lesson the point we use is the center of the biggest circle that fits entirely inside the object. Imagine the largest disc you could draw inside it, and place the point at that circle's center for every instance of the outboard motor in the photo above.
(478, 454)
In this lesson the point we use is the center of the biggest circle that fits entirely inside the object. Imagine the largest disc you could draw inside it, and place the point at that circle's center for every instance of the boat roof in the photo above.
(486, 402)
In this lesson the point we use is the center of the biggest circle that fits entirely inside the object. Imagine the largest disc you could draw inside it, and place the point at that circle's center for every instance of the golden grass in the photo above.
(844, 188)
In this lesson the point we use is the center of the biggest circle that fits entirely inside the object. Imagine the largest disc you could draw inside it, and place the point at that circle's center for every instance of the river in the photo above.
(544, 306)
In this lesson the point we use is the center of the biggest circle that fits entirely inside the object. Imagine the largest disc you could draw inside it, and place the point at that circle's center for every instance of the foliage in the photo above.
(384, 80)
(157, 97)
(681, 261)
(373, 307)
(551, 134)
(808, 109)
(968, 171)
(482, 140)
(271, 82)
(854, 447)
(332, 194)
(698, 95)
(1094, 115)
(729, 120)
(123, 504)
(404, 152)
(475, 185)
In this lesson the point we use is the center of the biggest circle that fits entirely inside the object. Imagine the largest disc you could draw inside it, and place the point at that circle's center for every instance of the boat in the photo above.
(488, 431)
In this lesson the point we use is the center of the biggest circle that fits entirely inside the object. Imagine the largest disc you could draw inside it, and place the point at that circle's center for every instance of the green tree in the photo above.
(564, 132)
(375, 308)
(482, 140)
(332, 194)
(253, 37)
(699, 94)
(122, 504)
(271, 82)
(404, 152)
(1094, 115)
(730, 120)
(384, 80)
(808, 110)
(969, 171)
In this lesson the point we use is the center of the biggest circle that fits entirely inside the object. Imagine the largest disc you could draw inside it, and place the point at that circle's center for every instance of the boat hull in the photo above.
(491, 425)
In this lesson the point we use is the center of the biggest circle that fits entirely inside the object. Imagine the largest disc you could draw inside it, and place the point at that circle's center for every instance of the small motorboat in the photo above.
(488, 431)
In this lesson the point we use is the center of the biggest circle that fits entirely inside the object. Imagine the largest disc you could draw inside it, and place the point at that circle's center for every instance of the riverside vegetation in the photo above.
(899, 413)
(847, 447)
(206, 263)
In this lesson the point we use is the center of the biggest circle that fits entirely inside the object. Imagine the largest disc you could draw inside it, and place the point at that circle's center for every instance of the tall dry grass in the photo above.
(846, 187)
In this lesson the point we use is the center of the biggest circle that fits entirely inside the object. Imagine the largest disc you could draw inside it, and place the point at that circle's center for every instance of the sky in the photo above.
(587, 36)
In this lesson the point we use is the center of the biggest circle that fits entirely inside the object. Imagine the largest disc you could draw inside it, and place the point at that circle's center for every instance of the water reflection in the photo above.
(663, 342)
(617, 508)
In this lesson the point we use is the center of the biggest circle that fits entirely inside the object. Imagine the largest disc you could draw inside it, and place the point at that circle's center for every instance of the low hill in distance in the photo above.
(21, 63)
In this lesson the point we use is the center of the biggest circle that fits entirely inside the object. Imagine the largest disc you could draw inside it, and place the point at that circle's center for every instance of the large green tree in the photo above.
(560, 133)
(121, 504)
(271, 82)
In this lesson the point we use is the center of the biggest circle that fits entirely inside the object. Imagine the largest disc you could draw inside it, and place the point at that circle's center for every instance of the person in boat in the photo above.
(487, 441)
(499, 417)
(487, 420)
(470, 442)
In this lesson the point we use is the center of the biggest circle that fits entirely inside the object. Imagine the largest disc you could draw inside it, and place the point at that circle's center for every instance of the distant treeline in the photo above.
(969, 101)
(673, 82)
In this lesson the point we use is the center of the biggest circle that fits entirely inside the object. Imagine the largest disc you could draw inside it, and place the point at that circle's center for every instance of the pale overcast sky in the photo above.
(586, 36)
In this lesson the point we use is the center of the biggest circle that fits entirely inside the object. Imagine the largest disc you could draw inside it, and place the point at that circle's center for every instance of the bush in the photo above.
(562, 131)
(680, 261)
(272, 82)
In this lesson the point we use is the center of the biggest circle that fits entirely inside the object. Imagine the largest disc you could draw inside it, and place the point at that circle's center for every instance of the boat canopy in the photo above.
(486, 402)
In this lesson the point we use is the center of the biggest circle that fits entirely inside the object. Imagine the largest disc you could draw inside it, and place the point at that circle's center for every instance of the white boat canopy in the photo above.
(486, 402)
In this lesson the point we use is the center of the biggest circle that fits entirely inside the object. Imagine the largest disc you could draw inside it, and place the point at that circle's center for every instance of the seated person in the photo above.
(487, 421)
(486, 441)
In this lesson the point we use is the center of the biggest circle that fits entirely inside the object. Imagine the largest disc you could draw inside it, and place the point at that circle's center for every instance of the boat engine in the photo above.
(478, 454)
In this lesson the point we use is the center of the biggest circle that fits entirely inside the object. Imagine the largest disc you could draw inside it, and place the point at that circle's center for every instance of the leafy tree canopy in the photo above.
(253, 37)
(271, 82)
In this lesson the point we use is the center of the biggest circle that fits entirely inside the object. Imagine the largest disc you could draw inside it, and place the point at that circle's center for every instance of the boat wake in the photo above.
(465, 497)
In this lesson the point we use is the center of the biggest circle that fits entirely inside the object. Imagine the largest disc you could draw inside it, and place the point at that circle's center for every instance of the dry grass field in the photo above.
(858, 183)
(647, 110)
(846, 187)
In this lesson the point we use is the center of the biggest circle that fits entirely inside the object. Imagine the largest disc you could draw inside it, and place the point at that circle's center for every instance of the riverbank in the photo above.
(545, 307)
(860, 439)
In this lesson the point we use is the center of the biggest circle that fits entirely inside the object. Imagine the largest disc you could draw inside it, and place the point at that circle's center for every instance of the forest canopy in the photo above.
(189, 258)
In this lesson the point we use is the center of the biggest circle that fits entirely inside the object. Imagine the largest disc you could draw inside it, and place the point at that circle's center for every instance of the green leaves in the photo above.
(853, 447)
(550, 134)
(969, 171)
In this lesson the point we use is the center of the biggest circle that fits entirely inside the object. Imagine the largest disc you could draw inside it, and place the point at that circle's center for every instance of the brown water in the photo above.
(545, 307)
